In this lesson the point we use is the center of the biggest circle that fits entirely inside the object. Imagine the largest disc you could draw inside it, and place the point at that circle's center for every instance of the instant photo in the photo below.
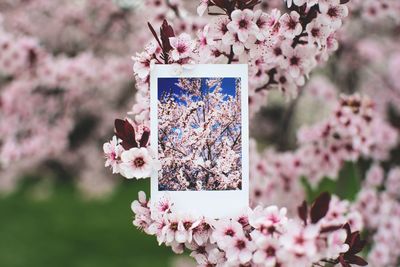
(200, 135)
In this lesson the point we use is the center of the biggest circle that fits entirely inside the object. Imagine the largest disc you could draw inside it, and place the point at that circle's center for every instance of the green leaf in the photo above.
(325, 185)
(349, 181)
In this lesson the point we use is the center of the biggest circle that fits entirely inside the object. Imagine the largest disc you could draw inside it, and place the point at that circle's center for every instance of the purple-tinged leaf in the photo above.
(354, 259)
(166, 32)
(343, 262)
(303, 212)
(125, 131)
(320, 207)
(154, 34)
(145, 138)
(332, 228)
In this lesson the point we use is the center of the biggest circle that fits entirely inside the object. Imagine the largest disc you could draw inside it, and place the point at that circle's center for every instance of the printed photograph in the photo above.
(199, 134)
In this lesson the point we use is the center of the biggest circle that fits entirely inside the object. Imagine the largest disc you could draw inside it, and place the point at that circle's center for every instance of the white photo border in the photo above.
(211, 204)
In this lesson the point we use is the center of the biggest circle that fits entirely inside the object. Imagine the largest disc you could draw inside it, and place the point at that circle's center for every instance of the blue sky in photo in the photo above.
(166, 84)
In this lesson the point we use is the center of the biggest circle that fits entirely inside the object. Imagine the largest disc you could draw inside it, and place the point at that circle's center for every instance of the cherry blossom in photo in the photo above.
(199, 134)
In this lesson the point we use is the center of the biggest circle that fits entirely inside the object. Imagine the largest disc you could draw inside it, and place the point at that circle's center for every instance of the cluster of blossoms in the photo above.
(128, 154)
(200, 135)
(59, 88)
(258, 237)
(368, 60)
(376, 11)
(378, 203)
(352, 131)
(41, 95)
(280, 49)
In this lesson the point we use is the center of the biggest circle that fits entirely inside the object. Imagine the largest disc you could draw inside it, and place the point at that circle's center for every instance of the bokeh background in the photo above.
(66, 73)
(62, 229)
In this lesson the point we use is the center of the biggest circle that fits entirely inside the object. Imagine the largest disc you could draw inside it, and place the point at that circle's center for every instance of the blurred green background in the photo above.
(62, 229)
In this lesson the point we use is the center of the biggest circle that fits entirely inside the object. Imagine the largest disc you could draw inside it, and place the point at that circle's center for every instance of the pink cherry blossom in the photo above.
(333, 12)
(136, 163)
(242, 24)
(290, 24)
(182, 46)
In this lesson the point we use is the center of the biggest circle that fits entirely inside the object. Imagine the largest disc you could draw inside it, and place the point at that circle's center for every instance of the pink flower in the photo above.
(219, 27)
(263, 22)
(142, 213)
(224, 230)
(333, 12)
(336, 243)
(298, 60)
(202, 232)
(318, 32)
(393, 182)
(161, 207)
(143, 61)
(185, 229)
(290, 25)
(233, 39)
(170, 229)
(137, 162)
(112, 151)
(242, 24)
(375, 176)
(267, 250)
(182, 45)
(268, 220)
(286, 83)
(239, 250)
(300, 240)
(207, 255)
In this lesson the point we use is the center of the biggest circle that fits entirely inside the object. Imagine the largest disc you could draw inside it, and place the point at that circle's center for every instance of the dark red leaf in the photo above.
(348, 231)
(332, 228)
(320, 207)
(303, 212)
(220, 3)
(354, 259)
(154, 34)
(125, 131)
(166, 32)
(355, 243)
(343, 262)
(247, 4)
(145, 138)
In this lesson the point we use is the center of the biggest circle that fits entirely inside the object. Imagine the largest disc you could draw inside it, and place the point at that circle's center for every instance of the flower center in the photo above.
(300, 240)
(315, 32)
(260, 23)
(187, 225)
(243, 24)
(181, 48)
(270, 251)
(294, 61)
(282, 80)
(174, 226)
(278, 51)
(291, 24)
(224, 28)
(229, 232)
(332, 12)
(138, 162)
(240, 244)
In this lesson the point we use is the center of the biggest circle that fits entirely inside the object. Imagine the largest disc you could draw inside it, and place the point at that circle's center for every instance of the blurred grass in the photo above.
(66, 230)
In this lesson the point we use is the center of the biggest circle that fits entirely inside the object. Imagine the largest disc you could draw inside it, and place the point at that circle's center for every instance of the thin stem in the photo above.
(231, 55)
